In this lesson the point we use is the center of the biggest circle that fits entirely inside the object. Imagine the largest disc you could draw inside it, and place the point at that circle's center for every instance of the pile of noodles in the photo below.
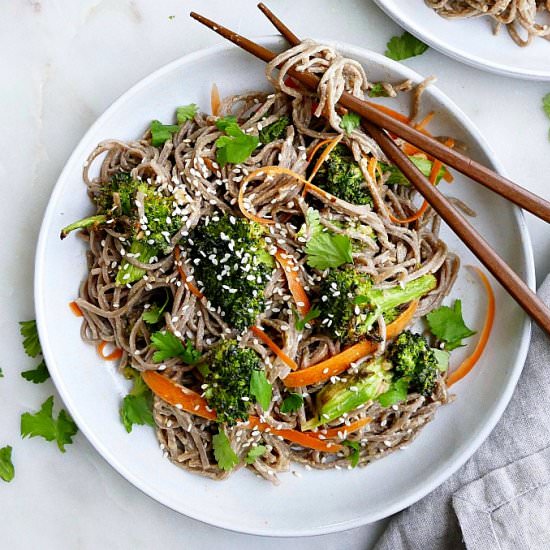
(395, 253)
(519, 16)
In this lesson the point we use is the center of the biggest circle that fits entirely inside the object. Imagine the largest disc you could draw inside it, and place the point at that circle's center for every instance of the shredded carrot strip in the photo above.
(425, 121)
(259, 333)
(215, 100)
(391, 112)
(192, 402)
(468, 364)
(75, 309)
(371, 168)
(295, 286)
(192, 288)
(333, 433)
(178, 396)
(436, 167)
(113, 356)
(300, 438)
(339, 363)
(209, 164)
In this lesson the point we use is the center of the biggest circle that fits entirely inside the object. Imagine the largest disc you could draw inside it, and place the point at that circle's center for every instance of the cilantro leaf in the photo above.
(255, 453)
(38, 375)
(404, 46)
(7, 471)
(44, 424)
(236, 146)
(186, 112)
(301, 322)
(354, 454)
(327, 250)
(261, 389)
(31, 343)
(448, 325)
(378, 90)
(546, 104)
(292, 403)
(442, 358)
(153, 314)
(224, 454)
(137, 406)
(397, 392)
(168, 345)
(350, 121)
(162, 132)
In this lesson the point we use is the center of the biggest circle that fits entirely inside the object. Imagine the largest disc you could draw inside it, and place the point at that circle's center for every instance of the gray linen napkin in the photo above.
(501, 497)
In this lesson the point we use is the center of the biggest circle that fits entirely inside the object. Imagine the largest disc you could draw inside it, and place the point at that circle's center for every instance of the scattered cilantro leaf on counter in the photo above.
(171, 17)
(301, 322)
(354, 454)
(447, 324)
(31, 343)
(38, 375)
(161, 132)
(168, 346)
(255, 453)
(261, 389)
(236, 146)
(292, 403)
(43, 424)
(224, 454)
(7, 471)
(378, 90)
(404, 46)
(137, 406)
(350, 121)
(327, 250)
(397, 392)
(186, 112)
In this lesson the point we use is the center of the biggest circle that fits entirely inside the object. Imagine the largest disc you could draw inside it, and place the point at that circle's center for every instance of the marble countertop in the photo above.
(63, 62)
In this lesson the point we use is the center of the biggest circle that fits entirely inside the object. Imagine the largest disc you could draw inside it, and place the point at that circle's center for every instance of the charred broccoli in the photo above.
(274, 130)
(233, 267)
(349, 305)
(227, 380)
(341, 176)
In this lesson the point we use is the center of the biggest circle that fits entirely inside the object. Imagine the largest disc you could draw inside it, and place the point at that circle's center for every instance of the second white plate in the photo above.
(471, 41)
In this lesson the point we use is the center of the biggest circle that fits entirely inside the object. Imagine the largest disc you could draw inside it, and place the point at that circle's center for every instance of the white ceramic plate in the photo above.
(312, 502)
(471, 41)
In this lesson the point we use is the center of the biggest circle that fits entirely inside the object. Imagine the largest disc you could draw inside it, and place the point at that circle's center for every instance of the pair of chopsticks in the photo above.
(377, 124)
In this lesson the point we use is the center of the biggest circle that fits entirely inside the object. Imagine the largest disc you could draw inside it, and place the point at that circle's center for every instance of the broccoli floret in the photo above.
(349, 305)
(228, 381)
(274, 130)
(341, 176)
(117, 196)
(414, 359)
(233, 266)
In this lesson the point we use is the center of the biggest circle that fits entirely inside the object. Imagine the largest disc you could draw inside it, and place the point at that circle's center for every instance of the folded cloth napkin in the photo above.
(500, 499)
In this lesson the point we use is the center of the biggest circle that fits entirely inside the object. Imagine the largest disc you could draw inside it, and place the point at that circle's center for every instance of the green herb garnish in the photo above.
(327, 250)
(255, 453)
(405, 46)
(448, 325)
(292, 403)
(224, 454)
(168, 346)
(137, 406)
(38, 375)
(261, 389)
(7, 471)
(350, 121)
(236, 146)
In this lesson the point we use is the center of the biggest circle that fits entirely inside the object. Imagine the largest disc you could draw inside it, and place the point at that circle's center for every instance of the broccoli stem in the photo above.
(90, 221)
(129, 273)
(384, 301)
(342, 397)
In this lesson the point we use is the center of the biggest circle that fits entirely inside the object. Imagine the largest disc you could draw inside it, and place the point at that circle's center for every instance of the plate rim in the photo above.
(143, 485)
(459, 55)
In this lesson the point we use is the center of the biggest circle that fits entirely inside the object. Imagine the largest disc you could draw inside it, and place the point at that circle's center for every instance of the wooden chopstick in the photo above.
(502, 272)
(451, 157)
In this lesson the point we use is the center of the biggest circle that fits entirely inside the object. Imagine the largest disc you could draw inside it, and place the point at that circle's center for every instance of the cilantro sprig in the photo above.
(261, 389)
(325, 250)
(236, 146)
(291, 403)
(378, 90)
(447, 324)
(186, 112)
(7, 470)
(255, 453)
(43, 424)
(38, 375)
(137, 406)
(153, 314)
(168, 345)
(354, 453)
(350, 121)
(31, 344)
(225, 456)
(301, 322)
(404, 46)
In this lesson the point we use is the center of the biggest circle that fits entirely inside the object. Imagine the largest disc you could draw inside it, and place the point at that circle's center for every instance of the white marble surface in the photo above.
(62, 63)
